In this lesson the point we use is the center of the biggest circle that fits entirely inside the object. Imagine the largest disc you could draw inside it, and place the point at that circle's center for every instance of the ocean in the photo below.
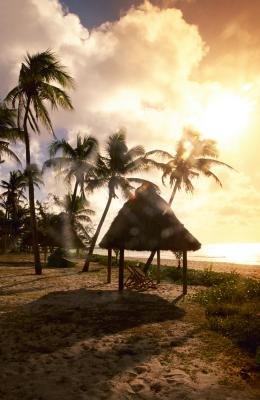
(237, 253)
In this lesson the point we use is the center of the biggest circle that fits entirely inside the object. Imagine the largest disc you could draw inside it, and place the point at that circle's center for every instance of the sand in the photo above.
(66, 335)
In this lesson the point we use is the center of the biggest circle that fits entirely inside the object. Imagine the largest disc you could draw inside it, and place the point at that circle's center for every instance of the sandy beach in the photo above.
(72, 336)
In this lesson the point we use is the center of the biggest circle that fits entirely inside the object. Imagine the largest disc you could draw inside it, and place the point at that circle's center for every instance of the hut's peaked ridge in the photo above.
(147, 222)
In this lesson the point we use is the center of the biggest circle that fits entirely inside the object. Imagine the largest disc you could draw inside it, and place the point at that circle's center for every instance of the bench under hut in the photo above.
(146, 222)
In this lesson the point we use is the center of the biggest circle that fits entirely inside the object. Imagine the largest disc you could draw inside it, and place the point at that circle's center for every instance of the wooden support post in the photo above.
(184, 272)
(158, 269)
(121, 270)
(109, 264)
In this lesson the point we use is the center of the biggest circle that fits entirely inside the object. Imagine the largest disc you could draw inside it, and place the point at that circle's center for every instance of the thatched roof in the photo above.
(146, 222)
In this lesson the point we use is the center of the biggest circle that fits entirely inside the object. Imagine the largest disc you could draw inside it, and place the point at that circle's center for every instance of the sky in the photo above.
(154, 68)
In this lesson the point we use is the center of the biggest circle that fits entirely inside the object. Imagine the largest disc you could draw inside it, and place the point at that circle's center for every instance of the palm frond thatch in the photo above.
(146, 222)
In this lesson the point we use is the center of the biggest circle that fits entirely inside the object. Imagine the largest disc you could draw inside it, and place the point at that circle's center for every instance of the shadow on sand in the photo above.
(96, 312)
(65, 340)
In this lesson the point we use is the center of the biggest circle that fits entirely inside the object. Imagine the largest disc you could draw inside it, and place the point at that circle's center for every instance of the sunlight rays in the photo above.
(226, 116)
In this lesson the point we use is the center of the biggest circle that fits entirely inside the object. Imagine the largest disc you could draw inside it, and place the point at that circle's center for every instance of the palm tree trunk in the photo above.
(36, 251)
(173, 192)
(74, 195)
(149, 261)
(151, 257)
(94, 239)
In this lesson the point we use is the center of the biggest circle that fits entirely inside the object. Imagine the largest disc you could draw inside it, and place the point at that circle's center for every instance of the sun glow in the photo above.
(226, 116)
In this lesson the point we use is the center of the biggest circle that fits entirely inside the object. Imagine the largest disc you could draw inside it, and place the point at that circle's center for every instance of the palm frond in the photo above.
(201, 163)
(144, 181)
(189, 188)
(57, 163)
(42, 113)
(158, 152)
(210, 174)
(119, 182)
(95, 183)
(62, 145)
(48, 67)
(136, 151)
(4, 150)
(35, 173)
(33, 122)
(56, 96)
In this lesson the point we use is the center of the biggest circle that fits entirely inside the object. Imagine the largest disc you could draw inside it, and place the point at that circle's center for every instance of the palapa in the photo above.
(147, 222)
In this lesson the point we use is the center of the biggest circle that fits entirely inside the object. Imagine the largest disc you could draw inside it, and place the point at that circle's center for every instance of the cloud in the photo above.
(144, 58)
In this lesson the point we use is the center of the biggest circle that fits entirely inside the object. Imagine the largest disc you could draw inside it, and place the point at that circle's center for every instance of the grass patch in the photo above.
(205, 277)
(102, 259)
(233, 309)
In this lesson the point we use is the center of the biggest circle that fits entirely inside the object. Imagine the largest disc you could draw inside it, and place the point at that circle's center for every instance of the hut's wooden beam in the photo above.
(158, 269)
(121, 270)
(109, 264)
(184, 272)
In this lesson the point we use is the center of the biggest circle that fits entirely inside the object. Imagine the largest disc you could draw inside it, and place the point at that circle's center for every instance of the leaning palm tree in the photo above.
(76, 162)
(193, 157)
(36, 88)
(112, 171)
(8, 132)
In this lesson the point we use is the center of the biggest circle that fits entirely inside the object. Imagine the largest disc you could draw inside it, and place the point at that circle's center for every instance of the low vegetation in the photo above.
(206, 277)
(233, 309)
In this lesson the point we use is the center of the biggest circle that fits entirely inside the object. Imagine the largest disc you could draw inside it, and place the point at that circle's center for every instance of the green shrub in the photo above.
(233, 309)
(235, 290)
(206, 277)
(102, 259)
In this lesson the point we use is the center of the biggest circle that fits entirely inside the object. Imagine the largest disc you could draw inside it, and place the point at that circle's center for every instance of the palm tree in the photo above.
(76, 209)
(193, 157)
(35, 89)
(77, 162)
(16, 211)
(15, 187)
(65, 228)
(13, 192)
(36, 175)
(8, 132)
(112, 171)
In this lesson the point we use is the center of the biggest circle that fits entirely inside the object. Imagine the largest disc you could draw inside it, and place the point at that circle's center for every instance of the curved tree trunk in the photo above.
(74, 195)
(94, 239)
(151, 257)
(36, 251)
(173, 193)
(73, 199)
